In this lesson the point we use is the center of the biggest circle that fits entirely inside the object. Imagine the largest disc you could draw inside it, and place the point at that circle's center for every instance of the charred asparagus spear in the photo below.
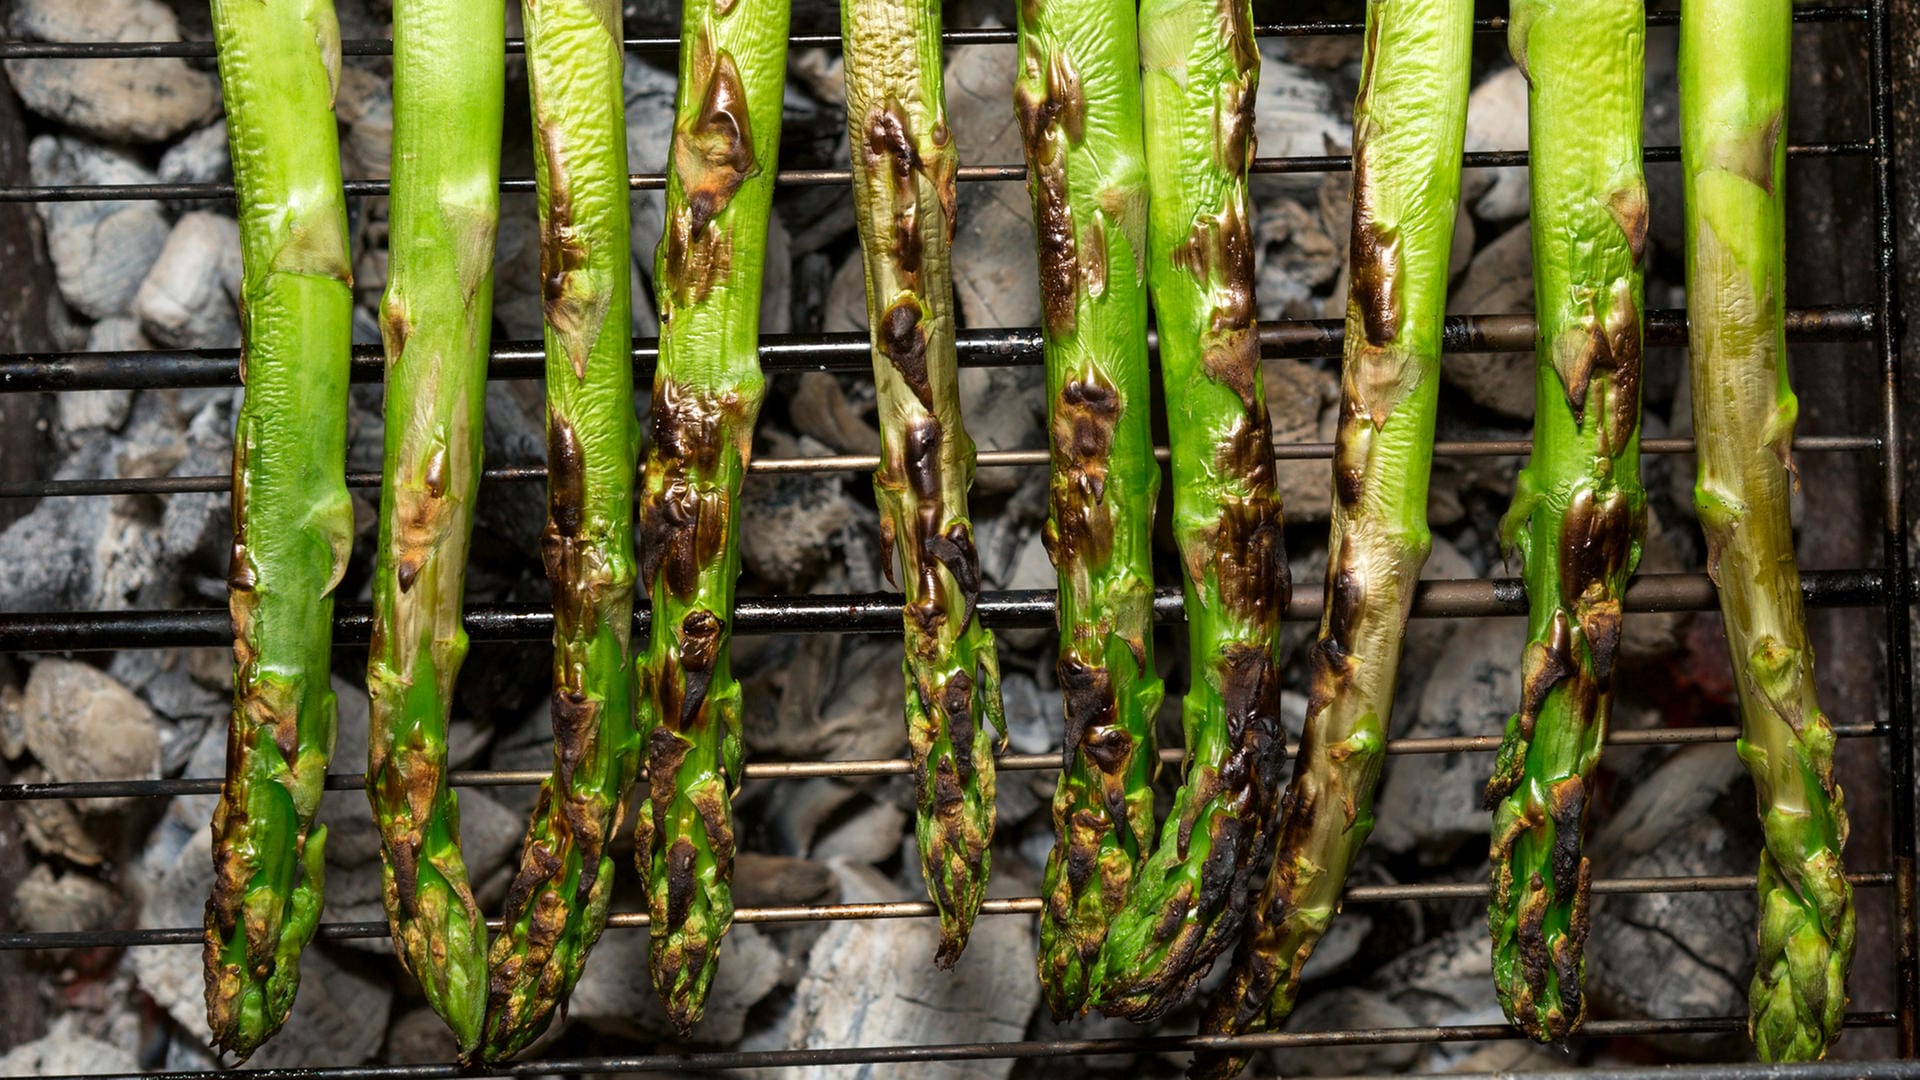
(903, 172)
(1078, 101)
(1578, 511)
(449, 76)
(1190, 898)
(1409, 123)
(1734, 68)
(557, 904)
(292, 523)
(706, 393)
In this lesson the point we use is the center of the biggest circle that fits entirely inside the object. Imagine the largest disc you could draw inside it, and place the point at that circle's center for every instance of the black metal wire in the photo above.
(1312, 451)
(103, 50)
(869, 613)
(1300, 339)
(1324, 163)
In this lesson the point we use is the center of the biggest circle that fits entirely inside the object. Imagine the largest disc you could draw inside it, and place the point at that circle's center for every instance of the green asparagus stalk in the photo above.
(557, 904)
(449, 84)
(707, 392)
(1734, 70)
(292, 523)
(1078, 101)
(1409, 124)
(904, 162)
(1578, 512)
(1190, 898)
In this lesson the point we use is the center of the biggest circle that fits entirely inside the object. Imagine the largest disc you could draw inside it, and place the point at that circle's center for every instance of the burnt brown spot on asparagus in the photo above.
(890, 146)
(1081, 527)
(903, 338)
(712, 157)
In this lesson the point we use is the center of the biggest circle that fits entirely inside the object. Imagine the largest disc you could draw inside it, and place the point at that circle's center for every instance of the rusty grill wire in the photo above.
(1872, 323)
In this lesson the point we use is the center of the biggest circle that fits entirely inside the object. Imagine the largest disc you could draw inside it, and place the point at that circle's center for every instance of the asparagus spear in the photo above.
(449, 82)
(1409, 123)
(1734, 71)
(292, 523)
(706, 393)
(1078, 101)
(557, 904)
(1190, 899)
(903, 172)
(1578, 511)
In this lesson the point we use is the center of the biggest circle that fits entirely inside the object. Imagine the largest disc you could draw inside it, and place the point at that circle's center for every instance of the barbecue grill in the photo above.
(1867, 324)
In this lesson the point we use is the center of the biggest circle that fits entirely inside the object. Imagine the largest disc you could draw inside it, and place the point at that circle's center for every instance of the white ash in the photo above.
(993, 235)
(1497, 120)
(81, 725)
(101, 251)
(189, 297)
(83, 410)
(65, 1051)
(138, 100)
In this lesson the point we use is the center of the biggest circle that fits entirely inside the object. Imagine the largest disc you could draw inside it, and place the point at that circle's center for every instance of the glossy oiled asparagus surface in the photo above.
(707, 391)
(449, 75)
(1078, 101)
(1578, 511)
(903, 174)
(1408, 130)
(292, 523)
(1735, 61)
(557, 904)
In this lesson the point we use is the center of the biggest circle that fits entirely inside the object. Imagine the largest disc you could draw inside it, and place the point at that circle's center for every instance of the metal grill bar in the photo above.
(895, 909)
(1282, 451)
(1323, 163)
(102, 50)
(1047, 1048)
(851, 353)
(806, 770)
(876, 613)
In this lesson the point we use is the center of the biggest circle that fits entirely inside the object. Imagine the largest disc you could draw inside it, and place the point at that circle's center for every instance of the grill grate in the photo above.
(1871, 322)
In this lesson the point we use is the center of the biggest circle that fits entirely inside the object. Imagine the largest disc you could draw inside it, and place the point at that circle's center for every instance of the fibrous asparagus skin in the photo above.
(1408, 129)
(557, 904)
(449, 75)
(706, 393)
(904, 162)
(1578, 512)
(292, 522)
(1734, 72)
(1078, 102)
(1190, 898)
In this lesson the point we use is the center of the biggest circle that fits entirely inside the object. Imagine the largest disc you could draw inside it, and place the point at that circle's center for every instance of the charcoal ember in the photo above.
(1444, 981)
(1297, 113)
(80, 725)
(796, 520)
(1677, 954)
(615, 993)
(871, 833)
(187, 689)
(870, 983)
(1297, 255)
(86, 410)
(1346, 1008)
(1499, 281)
(1430, 803)
(49, 902)
(126, 99)
(518, 308)
(1497, 120)
(1303, 404)
(821, 408)
(65, 1050)
(199, 158)
(993, 235)
(189, 297)
(648, 91)
(1004, 408)
(101, 251)
(778, 880)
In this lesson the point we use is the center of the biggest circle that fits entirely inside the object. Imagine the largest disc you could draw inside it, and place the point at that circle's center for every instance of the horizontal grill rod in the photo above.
(1303, 339)
(872, 613)
(1050, 1048)
(896, 909)
(1314, 163)
(104, 50)
(827, 463)
(806, 770)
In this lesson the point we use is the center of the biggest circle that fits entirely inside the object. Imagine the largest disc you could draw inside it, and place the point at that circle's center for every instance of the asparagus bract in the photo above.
(1735, 60)
(1578, 511)
(292, 523)
(706, 393)
(904, 162)
(449, 81)
(557, 904)
(1409, 124)
(1078, 101)
(1190, 898)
